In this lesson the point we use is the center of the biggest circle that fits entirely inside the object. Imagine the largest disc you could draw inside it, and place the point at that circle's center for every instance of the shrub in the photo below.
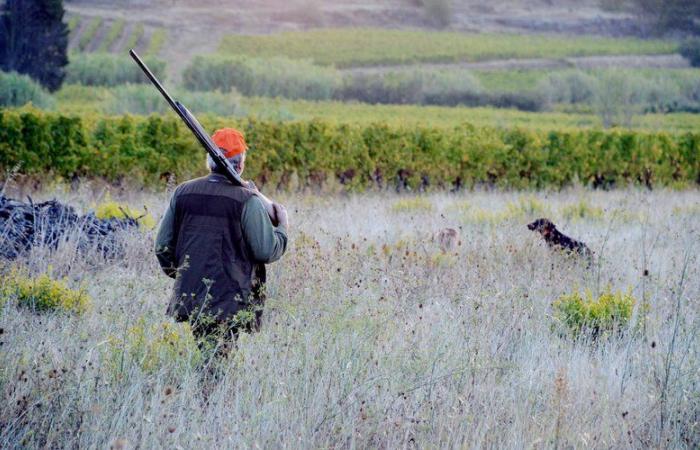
(43, 294)
(18, 90)
(431, 87)
(106, 69)
(143, 99)
(690, 50)
(618, 98)
(153, 347)
(589, 316)
(273, 77)
(110, 209)
(144, 148)
(661, 95)
(387, 88)
(568, 87)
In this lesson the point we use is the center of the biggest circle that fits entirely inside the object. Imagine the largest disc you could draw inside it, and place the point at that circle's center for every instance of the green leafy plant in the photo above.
(111, 209)
(271, 77)
(106, 69)
(587, 315)
(18, 90)
(43, 293)
(143, 148)
(152, 347)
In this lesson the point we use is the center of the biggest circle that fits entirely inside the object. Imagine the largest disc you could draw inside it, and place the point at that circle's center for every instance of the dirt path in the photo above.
(582, 62)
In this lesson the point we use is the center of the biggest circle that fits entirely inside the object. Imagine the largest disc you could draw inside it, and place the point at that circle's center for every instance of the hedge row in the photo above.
(146, 150)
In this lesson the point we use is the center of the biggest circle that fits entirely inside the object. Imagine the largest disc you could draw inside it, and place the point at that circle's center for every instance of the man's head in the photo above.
(543, 226)
(232, 143)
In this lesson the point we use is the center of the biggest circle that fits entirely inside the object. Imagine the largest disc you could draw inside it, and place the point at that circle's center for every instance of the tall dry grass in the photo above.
(373, 337)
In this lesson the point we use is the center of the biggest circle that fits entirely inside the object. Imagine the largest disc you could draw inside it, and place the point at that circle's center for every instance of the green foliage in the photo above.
(43, 293)
(618, 98)
(110, 209)
(73, 23)
(143, 148)
(106, 69)
(690, 50)
(347, 47)
(434, 87)
(582, 210)
(143, 99)
(586, 315)
(18, 90)
(411, 205)
(34, 40)
(135, 37)
(261, 77)
(114, 32)
(570, 87)
(153, 347)
(157, 40)
(89, 33)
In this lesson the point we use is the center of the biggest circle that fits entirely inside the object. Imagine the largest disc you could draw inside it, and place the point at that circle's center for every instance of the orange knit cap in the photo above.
(231, 141)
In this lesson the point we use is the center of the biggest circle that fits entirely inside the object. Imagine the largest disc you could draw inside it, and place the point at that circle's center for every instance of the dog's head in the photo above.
(542, 226)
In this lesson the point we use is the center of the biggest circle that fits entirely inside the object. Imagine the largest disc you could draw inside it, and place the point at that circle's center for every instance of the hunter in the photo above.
(215, 239)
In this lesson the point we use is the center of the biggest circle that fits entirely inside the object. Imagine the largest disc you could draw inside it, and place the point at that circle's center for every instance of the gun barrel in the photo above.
(200, 133)
(153, 79)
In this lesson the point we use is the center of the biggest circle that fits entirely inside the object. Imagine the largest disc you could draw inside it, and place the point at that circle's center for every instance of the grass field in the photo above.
(80, 100)
(524, 79)
(435, 116)
(348, 47)
(373, 338)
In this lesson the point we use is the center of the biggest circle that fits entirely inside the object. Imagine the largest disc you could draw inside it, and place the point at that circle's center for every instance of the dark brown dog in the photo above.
(556, 238)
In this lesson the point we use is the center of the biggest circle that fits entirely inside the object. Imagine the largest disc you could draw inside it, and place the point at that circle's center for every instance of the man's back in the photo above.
(211, 240)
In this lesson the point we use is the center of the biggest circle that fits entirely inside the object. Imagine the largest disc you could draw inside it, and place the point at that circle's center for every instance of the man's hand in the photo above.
(280, 215)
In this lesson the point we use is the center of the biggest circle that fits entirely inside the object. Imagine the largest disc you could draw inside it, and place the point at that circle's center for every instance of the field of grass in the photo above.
(374, 338)
(349, 47)
(527, 79)
(73, 99)
(447, 117)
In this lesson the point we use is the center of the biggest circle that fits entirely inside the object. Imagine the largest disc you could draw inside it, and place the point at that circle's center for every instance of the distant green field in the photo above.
(74, 99)
(436, 116)
(524, 79)
(347, 47)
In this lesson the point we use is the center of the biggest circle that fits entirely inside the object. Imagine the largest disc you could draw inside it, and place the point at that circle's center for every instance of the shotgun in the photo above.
(202, 136)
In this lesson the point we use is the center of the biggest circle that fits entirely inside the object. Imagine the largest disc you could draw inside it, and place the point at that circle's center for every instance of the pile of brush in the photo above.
(25, 225)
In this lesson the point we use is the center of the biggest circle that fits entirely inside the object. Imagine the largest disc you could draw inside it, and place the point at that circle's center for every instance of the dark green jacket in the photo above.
(214, 239)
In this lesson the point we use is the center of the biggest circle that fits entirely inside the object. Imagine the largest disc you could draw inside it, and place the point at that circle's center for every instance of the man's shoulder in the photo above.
(215, 186)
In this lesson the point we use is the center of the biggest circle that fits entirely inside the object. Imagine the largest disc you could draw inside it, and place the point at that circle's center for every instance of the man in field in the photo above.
(214, 240)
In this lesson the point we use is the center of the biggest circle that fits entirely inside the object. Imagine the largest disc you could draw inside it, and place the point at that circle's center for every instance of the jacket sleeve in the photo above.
(166, 241)
(266, 243)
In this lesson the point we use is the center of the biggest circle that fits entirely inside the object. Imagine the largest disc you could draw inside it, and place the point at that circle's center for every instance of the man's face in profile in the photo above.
(239, 163)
